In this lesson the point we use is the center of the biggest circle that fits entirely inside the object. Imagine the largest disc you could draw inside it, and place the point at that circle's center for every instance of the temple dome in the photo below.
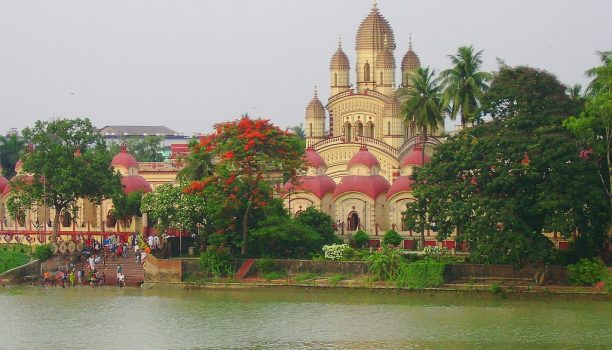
(385, 59)
(372, 32)
(410, 61)
(363, 157)
(314, 159)
(392, 107)
(339, 60)
(372, 186)
(124, 159)
(315, 108)
(401, 184)
(319, 186)
(133, 183)
(415, 157)
(3, 183)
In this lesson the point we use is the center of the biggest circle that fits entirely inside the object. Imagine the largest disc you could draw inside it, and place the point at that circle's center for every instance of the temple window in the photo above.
(366, 72)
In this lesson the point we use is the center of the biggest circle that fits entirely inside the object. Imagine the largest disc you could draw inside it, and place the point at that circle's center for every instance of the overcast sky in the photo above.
(189, 64)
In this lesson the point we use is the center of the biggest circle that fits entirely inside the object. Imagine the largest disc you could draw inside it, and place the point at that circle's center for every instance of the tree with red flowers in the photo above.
(250, 156)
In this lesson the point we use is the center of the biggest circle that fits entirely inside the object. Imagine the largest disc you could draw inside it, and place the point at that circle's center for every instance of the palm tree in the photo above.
(11, 147)
(424, 108)
(574, 91)
(198, 164)
(464, 84)
(602, 75)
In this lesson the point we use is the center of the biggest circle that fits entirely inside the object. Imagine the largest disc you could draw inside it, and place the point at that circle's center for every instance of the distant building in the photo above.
(115, 133)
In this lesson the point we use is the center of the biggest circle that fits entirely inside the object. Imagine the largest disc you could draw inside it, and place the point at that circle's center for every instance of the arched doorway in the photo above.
(359, 129)
(353, 221)
(347, 132)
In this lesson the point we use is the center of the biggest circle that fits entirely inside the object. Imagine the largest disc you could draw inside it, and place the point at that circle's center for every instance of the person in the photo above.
(134, 239)
(151, 241)
(125, 248)
(143, 256)
(119, 269)
(121, 279)
(156, 242)
(71, 278)
(47, 277)
(80, 274)
(119, 250)
(92, 262)
(138, 256)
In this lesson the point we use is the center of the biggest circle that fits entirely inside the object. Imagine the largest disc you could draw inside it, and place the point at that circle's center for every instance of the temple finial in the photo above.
(339, 42)
(316, 93)
(374, 4)
(409, 41)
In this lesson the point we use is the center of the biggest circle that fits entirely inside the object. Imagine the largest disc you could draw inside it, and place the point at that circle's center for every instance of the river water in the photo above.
(293, 318)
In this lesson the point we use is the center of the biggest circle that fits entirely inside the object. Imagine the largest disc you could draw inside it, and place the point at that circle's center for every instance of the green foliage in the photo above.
(420, 274)
(10, 259)
(322, 223)
(43, 252)
(385, 263)
(588, 272)
(360, 238)
(264, 265)
(273, 276)
(197, 164)
(393, 238)
(495, 288)
(172, 208)
(217, 264)
(127, 205)
(11, 147)
(335, 279)
(306, 277)
(144, 149)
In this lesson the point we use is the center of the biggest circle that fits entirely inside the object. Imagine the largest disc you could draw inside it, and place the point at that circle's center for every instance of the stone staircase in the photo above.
(134, 272)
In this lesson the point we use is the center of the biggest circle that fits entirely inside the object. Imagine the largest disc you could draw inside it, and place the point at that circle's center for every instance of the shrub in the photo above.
(385, 263)
(43, 252)
(393, 238)
(336, 251)
(273, 276)
(10, 259)
(337, 278)
(360, 238)
(421, 274)
(264, 265)
(216, 264)
(306, 277)
(496, 288)
(588, 272)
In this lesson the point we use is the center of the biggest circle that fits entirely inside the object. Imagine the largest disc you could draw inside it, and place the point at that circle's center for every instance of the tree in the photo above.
(125, 206)
(299, 131)
(144, 149)
(250, 154)
(500, 184)
(68, 160)
(322, 223)
(602, 75)
(393, 238)
(11, 147)
(574, 92)
(424, 108)
(464, 84)
(197, 165)
(524, 90)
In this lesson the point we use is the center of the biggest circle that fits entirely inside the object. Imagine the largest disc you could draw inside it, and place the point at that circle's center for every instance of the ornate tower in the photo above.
(393, 130)
(369, 43)
(410, 63)
(315, 121)
(339, 68)
(385, 70)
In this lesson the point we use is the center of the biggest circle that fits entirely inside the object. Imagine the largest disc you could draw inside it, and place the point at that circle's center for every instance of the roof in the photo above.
(315, 108)
(133, 183)
(363, 157)
(123, 158)
(410, 61)
(401, 184)
(415, 157)
(317, 185)
(385, 59)
(372, 186)
(339, 60)
(314, 159)
(373, 30)
(122, 130)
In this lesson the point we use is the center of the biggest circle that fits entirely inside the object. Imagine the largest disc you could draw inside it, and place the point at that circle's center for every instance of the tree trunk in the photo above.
(424, 134)
(56, 223)
(245, 228)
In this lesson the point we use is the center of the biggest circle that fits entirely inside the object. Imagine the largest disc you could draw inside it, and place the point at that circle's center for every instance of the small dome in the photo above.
(372, 32)
(18, 165)
(6, 190)
(385, 59)
(133, 183)
(315, 108)
(372, 186)
(363, 157)
(392, 107)
(124, 159)
(415, 157)
(410, 61)
(339, 60)
(3, 183)
(401, 184)
(317, 185)
(314, 159)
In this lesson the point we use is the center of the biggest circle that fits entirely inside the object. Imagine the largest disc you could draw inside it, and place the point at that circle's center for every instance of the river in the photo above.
(293, 318)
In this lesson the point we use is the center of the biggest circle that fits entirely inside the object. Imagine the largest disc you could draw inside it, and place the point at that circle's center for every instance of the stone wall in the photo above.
(552, 274)
(163, 270)
(18, 274)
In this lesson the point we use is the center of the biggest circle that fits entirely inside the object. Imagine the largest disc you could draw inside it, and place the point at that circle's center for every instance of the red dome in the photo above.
(372, 186)
(6, 190)
(133, 183)
(317, 185)
(415, 157)
(18, 165)
(314, 159)
(3, 183)
(123, 158)
(363, 157)
(401, 184)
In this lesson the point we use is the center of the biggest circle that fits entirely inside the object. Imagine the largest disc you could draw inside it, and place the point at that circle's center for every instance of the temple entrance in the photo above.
(353, 221)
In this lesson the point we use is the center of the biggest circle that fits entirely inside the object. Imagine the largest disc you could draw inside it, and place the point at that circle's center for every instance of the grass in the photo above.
(306, 277)
(334, 280)
(10, 259)
(273, 276)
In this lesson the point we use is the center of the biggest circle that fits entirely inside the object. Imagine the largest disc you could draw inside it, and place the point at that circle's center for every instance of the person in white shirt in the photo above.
(155, 242)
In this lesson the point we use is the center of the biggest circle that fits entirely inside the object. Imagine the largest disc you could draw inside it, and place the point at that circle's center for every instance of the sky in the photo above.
(189, 64)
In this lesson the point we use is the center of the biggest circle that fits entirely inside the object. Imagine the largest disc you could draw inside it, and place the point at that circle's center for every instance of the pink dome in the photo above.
(317, 185)
(364, 157)
(314, 159)
(133, 183)
(372, 186)
(3, 183)
(18, 165)
(6, 190)
(415, 157)
(123, 158)
(401, 184)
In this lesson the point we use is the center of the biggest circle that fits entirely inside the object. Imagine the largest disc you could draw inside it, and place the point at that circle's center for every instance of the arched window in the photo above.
(388, 128)
(369, 132)
(347, 132)
(403, 224)
(353, 221)
(381, 78)
(359, 129)
(372, 130)
(66, 219)
(111, 221)
(366, 72)
(310, 127)
(335, 79)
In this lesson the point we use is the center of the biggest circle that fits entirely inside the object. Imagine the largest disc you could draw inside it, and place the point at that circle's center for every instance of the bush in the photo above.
(496, 288)
(336, 251)
(421, 274)
(337, 278)
(264, 265)
(309, 276)
(10, 259)
(360, 239)
(588, 272)
(273, 276)
(43, 252)
(216, 264)
(385, 263)
(393, 238)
